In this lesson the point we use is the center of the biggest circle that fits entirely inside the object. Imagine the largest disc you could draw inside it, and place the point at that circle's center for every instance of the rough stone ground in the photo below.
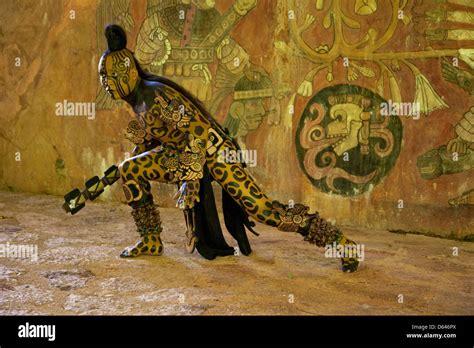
(79, 271)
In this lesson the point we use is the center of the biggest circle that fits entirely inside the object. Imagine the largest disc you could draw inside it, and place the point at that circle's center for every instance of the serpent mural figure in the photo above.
(178, 142)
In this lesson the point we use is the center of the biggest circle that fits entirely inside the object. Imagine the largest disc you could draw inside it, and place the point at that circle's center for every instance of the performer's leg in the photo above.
(136, 172)
(243, 189)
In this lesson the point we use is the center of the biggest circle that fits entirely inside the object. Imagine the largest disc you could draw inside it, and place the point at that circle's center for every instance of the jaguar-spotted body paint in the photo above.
(174, 120)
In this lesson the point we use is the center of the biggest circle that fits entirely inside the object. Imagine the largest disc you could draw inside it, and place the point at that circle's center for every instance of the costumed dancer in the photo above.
(178, 142)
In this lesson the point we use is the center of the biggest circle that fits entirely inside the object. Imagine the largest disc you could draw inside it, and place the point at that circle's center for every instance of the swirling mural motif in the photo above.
(344, 145)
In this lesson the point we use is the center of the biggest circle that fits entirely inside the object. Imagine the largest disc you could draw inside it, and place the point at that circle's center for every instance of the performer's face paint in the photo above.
(118, 73)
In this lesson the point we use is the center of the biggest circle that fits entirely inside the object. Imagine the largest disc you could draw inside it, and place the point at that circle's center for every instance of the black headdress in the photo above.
(116, 37)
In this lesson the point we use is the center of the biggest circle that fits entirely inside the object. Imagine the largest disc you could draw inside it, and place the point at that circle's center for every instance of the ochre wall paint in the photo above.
(59, 58)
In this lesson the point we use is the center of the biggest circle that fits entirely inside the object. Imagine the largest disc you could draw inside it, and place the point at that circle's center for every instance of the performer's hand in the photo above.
(187, 195)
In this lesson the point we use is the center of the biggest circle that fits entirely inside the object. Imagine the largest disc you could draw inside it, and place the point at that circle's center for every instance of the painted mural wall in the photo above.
(363, 108)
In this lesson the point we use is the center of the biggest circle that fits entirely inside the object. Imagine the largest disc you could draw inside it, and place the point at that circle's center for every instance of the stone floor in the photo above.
(78, 270)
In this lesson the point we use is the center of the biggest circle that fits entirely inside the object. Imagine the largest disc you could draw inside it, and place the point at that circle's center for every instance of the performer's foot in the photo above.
(350, 264)
(148, 245)
(148, 222)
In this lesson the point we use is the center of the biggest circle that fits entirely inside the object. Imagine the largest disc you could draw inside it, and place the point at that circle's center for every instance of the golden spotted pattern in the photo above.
(185, 134)
(189, 140)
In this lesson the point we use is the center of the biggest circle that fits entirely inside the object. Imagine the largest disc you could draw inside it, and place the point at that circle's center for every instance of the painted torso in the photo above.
(167, 115)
